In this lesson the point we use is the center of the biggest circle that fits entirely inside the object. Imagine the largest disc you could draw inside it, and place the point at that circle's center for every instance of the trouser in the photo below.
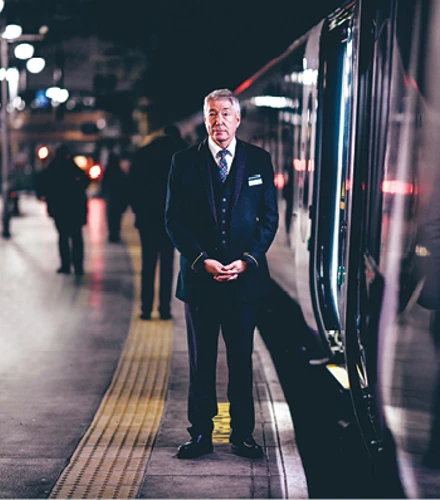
(237, 322)
(70, 245)
(156, 246)
(114, 219)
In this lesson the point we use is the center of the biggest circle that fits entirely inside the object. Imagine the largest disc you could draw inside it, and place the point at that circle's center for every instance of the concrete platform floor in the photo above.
(65, 343)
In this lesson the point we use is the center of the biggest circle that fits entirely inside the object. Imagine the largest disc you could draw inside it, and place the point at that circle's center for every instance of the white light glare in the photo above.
(35, 64)
(101, 123)
(18, 103)
(57, 95)
(272, 101)
(12, 31)
(24, 51)
(306, 77)
(2, 4)
(12, 75)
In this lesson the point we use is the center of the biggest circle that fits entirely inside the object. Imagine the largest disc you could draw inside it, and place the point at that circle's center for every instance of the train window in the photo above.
(400, 186)
(379, 131)
(335, 117)
(307, 154)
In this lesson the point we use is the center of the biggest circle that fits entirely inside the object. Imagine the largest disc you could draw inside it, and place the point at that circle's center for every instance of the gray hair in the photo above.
(215, 95)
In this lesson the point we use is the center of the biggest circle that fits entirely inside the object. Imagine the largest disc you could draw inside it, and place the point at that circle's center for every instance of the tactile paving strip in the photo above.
(110, 460)
(222, 427)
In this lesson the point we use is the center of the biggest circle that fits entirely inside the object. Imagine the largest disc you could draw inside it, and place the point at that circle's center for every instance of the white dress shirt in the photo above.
(215, 148)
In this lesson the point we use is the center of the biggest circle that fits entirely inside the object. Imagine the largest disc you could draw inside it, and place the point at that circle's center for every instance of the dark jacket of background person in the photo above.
(63, 186)
(148, 179)
(114, 189)
(149, 176)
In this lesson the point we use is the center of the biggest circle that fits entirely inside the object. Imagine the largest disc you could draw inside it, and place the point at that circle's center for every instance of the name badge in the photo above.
(254, 180)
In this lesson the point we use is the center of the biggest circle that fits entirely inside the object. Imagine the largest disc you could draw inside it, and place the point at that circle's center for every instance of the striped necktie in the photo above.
(223, 164)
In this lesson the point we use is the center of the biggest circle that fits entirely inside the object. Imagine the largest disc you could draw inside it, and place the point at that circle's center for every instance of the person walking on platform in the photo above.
(114, 189)
(222, 217)
(148, 185)
(63, 186)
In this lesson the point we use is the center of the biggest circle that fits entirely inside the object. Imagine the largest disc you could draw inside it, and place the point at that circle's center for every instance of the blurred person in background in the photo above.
(114, 189)
(148, 178)
(62, 185)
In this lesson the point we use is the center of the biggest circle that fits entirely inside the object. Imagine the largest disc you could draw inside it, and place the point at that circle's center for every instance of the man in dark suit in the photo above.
(148, 187)
(222, 217)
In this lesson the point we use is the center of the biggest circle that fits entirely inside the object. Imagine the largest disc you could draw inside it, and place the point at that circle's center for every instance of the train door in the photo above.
(364, 282)
(304, 178)
(330, 206)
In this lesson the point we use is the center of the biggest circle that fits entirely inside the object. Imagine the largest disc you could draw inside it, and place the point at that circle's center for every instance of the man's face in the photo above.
(221, 121)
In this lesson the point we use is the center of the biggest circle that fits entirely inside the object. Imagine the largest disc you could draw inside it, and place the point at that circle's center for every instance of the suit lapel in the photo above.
(240, 165)
(204, 159)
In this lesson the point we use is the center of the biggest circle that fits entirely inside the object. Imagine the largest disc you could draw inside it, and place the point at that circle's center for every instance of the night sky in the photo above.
(191, 46)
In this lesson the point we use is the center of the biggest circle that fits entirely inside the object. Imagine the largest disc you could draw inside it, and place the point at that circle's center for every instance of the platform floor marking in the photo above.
(111, 458)
(222, 421)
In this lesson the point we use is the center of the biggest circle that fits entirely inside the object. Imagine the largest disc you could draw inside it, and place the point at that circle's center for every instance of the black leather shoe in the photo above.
(246, 447)
(63, 270)
(145, 316)
(195, 447)
(165, 316)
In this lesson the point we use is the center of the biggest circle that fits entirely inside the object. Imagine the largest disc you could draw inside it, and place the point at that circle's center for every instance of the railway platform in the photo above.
(93, 399)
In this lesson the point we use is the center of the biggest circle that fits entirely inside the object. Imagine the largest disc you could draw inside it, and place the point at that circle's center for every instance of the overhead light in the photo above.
(35, 64)
(12, 31)
(57, 94)
(2, 4)
(24, 51)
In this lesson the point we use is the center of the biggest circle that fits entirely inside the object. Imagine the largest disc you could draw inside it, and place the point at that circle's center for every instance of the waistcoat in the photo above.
(223, 192)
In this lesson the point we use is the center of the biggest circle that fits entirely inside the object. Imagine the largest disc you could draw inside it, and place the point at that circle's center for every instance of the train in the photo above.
(350, 113)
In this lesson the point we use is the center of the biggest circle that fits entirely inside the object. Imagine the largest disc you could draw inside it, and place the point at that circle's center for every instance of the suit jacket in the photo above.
(191, 222)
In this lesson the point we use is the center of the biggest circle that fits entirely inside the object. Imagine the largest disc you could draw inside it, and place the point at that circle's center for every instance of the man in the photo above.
(148, 186)
(222, 217)
(63, 186)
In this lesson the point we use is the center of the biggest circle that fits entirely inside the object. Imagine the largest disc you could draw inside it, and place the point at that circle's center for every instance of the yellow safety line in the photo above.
(111, 458)
(222, 428)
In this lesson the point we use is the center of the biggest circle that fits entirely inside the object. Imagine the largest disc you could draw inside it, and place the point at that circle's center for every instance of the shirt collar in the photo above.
(215, 148)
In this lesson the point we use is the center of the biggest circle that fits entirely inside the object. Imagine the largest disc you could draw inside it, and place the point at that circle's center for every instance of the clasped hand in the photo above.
(221, 272)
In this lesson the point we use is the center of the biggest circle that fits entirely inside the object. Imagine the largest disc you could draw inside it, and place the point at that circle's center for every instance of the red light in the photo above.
(397, 187)
(246, 84)
(43, 152)
(279, 181)
(95, 172)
